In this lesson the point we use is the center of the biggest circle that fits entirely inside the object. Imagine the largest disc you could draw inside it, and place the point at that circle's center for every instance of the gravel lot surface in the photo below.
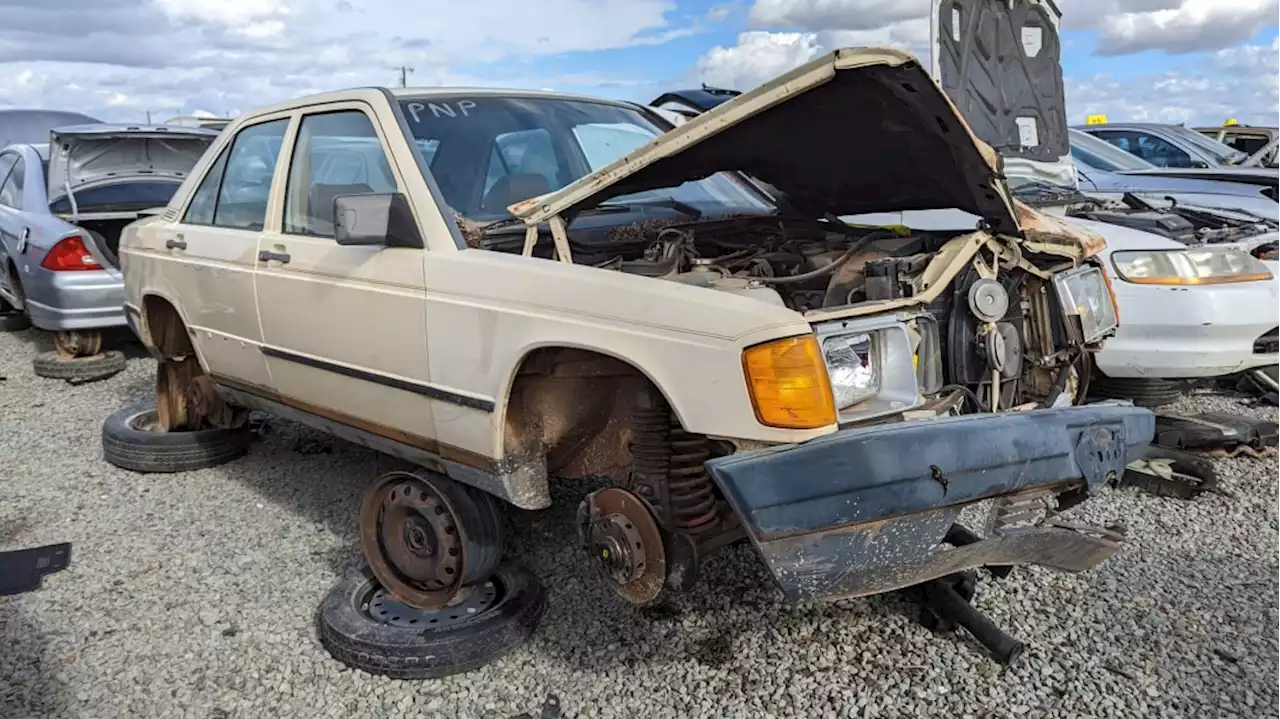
(193, 595)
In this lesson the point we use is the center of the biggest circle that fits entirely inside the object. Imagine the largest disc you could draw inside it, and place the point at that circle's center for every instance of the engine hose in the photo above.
(1060, 382)
(854, 249)
(973, 397)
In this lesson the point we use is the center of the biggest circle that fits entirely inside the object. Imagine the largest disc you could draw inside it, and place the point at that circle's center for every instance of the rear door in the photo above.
(1000, 63)
(209, 252)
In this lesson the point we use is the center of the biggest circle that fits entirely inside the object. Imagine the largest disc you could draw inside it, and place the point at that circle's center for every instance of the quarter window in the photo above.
(7, 161)
(246, 181)
(11, 192)
(337, 153)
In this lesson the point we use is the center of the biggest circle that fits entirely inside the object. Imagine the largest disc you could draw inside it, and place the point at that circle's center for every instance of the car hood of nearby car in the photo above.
(856, 131)
(91, 154)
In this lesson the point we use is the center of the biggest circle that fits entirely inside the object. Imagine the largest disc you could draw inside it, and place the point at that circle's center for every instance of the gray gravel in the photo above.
(192, 596)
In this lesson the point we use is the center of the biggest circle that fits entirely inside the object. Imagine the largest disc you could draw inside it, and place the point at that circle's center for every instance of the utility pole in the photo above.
(148, 117)
(404, 75)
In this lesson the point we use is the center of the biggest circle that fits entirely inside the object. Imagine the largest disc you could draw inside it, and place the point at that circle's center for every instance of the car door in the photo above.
(1000, 63)
(344, 327)
(209, 254)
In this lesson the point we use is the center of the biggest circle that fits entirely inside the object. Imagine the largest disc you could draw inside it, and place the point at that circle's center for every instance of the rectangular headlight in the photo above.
(1189, 267)
(871, 364)
(1083, 293)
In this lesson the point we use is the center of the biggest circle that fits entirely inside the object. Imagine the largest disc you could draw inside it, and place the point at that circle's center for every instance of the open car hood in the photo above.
(856, 131)
(93, 154)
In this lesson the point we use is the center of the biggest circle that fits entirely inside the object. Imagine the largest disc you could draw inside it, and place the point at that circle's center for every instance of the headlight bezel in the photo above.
(1186, 263)
(1075, 290)
(893, 346)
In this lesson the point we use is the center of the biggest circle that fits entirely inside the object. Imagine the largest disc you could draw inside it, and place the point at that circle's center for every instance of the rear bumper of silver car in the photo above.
(80, 300)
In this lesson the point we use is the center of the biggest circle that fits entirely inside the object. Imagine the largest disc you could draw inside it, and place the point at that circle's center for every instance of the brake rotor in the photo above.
(412, 538)
(77, 344)
(625, 543)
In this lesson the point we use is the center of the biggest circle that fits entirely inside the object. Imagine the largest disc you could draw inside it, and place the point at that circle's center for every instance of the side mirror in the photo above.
(375, 219)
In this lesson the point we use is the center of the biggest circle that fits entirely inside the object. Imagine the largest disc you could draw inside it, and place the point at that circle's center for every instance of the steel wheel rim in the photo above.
(387, 520)
(380, 606)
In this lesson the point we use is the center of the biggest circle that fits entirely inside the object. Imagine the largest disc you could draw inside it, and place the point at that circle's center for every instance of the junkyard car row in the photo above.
(820, 334)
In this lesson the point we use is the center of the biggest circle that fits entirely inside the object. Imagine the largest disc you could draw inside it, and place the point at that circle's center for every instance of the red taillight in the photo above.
(70, 254)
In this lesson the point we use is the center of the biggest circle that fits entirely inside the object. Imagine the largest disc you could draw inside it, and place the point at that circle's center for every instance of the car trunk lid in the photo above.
(92, 155)
(1000, 62)
(855, 131)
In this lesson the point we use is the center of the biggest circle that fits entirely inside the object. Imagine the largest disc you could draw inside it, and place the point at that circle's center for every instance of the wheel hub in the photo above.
(625, 543)
(619, 549)
(77, 344)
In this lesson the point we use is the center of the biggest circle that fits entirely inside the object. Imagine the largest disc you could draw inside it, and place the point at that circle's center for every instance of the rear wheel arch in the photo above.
(164, 329)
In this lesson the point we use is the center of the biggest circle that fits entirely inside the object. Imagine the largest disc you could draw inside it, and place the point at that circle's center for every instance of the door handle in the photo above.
(175, 244)
(266, 256)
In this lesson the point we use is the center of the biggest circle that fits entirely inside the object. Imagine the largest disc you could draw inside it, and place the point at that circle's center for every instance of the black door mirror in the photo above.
(375, 219)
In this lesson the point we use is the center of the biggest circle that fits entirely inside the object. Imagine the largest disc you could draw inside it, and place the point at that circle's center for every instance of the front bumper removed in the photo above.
(863, 511)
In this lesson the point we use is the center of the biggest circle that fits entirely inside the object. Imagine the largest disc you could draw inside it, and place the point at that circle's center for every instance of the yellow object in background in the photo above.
(1095, 120)
(1231, 122)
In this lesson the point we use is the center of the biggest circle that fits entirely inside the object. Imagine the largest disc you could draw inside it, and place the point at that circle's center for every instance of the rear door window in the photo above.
(246, 182)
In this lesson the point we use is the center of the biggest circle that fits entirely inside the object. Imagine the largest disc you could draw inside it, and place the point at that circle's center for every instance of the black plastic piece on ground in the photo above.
(22, 570)
(1214, 430)
(1192, 475)
(946, 605)
(52, 365)
(129, 444)
(356, 639)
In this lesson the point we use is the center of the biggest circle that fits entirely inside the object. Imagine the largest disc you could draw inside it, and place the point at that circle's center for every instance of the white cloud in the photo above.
(817, 15)
(231, 55)
(756, 57)
(1173, 26)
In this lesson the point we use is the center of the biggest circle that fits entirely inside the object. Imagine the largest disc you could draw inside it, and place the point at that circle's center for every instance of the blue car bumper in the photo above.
(863, 511)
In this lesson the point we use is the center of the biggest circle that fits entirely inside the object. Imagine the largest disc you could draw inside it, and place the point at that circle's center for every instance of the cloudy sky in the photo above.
(1162, 60)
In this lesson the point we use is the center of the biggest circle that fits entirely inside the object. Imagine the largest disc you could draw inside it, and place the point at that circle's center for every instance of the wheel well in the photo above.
(572, 408)
(167, 331)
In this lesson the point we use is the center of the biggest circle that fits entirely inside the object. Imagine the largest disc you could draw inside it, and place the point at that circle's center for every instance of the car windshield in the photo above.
(1223, 154)
(487, 152)
(1099, 154)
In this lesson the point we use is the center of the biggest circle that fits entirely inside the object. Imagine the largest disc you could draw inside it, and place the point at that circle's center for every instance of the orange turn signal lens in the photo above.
(788, 383)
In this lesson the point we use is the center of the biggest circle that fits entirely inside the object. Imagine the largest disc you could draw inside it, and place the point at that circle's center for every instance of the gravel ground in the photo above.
(193, 595)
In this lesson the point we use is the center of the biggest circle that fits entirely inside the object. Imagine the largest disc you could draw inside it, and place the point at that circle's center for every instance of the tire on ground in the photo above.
(1197, 475)
(358, 640)
(1144, 392)
(78, 369)
(128, 444)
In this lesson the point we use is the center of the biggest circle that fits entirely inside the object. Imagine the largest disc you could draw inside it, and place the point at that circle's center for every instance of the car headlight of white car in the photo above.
(880, 365)
(1083, 293)
(1207, 266)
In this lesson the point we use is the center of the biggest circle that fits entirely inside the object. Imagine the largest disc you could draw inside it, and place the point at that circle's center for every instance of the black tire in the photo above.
(1193, 475)
(1143, 391)
(79, 369)
(128, 444)
(12, 320)
(358, 640)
